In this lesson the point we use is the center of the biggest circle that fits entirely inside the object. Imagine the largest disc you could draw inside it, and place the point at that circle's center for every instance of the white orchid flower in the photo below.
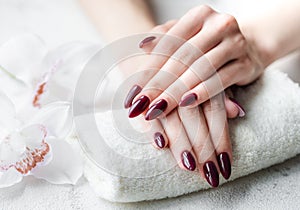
(39, 76)
(36, 146)
(35, 111)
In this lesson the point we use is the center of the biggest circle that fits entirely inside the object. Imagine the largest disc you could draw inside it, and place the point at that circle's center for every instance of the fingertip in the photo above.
(160, 142)
(188, 100)
(241, 110)
(231, 109)
(146, 41)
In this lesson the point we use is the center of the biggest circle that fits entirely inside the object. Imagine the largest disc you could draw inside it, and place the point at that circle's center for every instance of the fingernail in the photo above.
(224, 164)
(211, 173)
(131, 94)
(139, 106)
(242, 112)
(188, 99)
(156, 109)
(159, 140)
(188, 161)
(146, 40)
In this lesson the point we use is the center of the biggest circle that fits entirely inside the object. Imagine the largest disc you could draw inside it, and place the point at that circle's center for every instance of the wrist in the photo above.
(264, 48)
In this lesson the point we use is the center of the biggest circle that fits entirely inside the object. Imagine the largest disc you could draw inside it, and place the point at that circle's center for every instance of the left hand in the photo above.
(215, 54)
(198, 138)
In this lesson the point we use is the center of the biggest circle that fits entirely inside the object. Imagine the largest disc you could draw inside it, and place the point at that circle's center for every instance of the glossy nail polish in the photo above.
(146, 40)
(159, 140)
(156, 109)
(131, 94)
(242, 112)
(224, 164)
(188, 99)
(139, 106)
(211, 173)
(188, 161)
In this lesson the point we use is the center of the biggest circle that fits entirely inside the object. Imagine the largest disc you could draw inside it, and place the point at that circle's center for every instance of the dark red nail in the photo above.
(131, 94)
(146, 40)
(139, 106)
(157, 109)
(224, 164)
(159, 140)
(188, 160)
(242, 111)
(211, 173)
(188, 100)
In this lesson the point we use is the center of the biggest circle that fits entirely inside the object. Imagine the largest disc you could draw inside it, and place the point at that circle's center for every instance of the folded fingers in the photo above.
(215, 114)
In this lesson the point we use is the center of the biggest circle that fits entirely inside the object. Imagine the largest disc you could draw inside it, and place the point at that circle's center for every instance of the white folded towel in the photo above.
(127, 168)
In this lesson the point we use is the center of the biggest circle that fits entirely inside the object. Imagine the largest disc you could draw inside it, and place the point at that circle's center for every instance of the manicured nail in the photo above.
(159, 140)
(242, 112)
(188, 99)
(139, 106)
(188, 161)
(131, 94)
(156, 109)
(224, 164)
(211, 173)
(146, 40)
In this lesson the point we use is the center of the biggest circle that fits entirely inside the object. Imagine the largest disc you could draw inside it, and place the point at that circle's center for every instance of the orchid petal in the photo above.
(10, 177)
(66, 166)
(33, 135)
(12, 149)
(64, 66)
(25, 150)
(20, 55)
(8, 119)
(56, 117)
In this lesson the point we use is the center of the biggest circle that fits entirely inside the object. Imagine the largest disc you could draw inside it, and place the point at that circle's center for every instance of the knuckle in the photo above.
(227, 22)
(171, 22)
(241, 43)
(187, 53)
(240, 40)
(246, 62)
(201, 10)
(228, 19)
(213, 106)
(204, 8)
(160, 29)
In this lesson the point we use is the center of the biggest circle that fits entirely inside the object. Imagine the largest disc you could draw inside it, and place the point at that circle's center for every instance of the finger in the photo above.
(191, 23)
(199, 71)
(215, 114)
(149, 42)
(233, 108)
(197, 131)
(226, 76)
(160, 139)
(147, 45)
(178, 142)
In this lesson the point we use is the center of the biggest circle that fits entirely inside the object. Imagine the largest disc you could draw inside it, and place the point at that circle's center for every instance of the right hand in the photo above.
(199, 138)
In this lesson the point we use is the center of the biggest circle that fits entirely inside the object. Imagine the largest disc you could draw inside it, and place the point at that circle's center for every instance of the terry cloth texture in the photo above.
(126, 171)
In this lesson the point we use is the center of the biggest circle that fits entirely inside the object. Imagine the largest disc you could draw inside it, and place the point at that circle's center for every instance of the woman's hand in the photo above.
(198, 138)
(207, 53)
(203, 139)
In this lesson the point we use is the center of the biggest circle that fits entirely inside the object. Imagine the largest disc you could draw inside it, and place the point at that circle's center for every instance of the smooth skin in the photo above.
(226, 56)
(241, 50)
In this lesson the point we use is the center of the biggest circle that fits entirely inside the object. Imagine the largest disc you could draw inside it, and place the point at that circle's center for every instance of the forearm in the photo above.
(276, 32)
(119, 18)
